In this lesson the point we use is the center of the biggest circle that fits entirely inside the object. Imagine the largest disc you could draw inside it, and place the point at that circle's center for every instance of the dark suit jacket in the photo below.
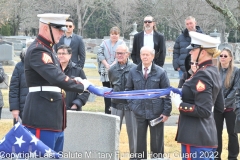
(78, 49)
(159, 46)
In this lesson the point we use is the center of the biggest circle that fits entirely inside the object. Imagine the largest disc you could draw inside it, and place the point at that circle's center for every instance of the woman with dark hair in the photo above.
(230, 77)
(190, 67)
(18, 89)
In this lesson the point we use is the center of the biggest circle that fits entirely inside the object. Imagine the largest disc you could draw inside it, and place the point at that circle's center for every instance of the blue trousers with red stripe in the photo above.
(53, 140)
(197, 153)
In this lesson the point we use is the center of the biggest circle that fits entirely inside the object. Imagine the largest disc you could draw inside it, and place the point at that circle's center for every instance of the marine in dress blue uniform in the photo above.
(44, 112)
(200, 93)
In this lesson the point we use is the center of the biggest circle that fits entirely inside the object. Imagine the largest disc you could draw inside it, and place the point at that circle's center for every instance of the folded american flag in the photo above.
(19, 142)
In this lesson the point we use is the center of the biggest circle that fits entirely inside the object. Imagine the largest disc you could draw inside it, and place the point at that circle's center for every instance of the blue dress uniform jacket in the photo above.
(45, 109)
(157, 79)
(200, 93)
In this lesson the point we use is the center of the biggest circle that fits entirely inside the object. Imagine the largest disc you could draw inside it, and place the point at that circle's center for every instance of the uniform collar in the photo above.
(207, 62)
(44, 41)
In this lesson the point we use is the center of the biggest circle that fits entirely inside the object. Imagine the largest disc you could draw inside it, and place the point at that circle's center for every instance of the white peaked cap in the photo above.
(200, 40)
(52, 18)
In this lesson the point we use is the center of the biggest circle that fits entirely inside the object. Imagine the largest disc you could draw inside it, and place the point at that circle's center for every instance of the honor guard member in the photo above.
(44, 112)
(196, 127)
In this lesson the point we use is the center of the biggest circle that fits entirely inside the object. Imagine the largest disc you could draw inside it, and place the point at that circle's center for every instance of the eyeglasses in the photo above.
(120, 53)
(194, 63)
(69, 26)
(148, 21)
(225, 56)
(63, 53)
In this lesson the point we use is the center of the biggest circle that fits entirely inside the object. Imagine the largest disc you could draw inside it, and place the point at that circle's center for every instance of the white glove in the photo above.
(86, 83)
(176, 99)
(78, 79)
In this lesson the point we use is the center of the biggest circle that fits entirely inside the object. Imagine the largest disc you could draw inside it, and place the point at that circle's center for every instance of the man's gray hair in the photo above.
(124, 46)
(152, 51)
(189, 18)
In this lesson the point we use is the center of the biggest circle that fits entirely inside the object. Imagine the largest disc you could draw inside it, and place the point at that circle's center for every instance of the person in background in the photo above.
(148, 75)
(201, 96)
(118, 74)
(2, 78)
(230, 79)
(18, 89)
(191, 68)
(152, 38)
(73, 100)
(179, 50)
(75, 42)
(106, 58)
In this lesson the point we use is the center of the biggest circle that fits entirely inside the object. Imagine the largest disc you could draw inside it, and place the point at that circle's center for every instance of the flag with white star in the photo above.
(19, 142)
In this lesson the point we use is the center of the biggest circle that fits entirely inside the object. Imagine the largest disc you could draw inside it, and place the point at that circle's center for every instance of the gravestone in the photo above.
(237, 53)
(172, 74)
(92, 135)
(95, 50)
(7, 54)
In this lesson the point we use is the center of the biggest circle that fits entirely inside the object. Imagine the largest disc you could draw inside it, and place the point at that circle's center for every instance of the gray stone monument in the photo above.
(237, 53)
(92, 135)
(7, 54)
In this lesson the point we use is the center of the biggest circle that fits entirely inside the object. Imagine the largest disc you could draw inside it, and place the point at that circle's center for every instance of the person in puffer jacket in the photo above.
(179, 50)
(18, 89)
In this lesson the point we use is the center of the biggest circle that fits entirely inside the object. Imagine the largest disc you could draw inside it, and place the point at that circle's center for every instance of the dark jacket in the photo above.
(157, 79)
(78, 49)
(18, 89)
(179, 50)
(200, 93)
(2, 78)
(45, 109)
(118, 78)
(159, 46)
(229, 93)
(72, 70)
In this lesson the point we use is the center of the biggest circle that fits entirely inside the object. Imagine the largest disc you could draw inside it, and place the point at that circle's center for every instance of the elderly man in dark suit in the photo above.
(147, 75)
(149, 37)
(75, 42)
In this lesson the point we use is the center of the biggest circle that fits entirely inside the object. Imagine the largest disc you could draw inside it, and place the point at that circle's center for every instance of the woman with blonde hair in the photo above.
(201, 98)
(230, 76)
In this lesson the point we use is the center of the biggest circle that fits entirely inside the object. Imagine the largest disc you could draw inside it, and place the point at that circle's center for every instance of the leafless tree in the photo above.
(227, 8)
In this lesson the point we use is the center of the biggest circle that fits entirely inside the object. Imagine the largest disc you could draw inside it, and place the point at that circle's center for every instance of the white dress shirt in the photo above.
(148, 40)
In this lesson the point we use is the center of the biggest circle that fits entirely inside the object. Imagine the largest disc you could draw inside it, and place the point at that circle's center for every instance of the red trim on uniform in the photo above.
(188, 150)
(198, 146)
(38, 133)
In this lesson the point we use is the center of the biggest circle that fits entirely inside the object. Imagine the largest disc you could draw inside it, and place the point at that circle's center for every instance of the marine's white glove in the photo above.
(86, 84)
(176, 99)
(78, 79)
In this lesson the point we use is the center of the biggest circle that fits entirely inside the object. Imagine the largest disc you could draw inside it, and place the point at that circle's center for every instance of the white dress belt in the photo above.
(45, 88)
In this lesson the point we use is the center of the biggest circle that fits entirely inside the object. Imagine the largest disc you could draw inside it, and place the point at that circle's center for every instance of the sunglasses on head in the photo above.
(69, 26)
(148, 21)
(225, 56)
(194, 63)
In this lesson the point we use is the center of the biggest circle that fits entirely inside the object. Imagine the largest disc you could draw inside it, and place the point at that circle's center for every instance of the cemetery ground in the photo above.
(171, 147)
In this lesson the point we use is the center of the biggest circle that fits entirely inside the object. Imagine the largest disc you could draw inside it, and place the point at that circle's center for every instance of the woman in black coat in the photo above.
(18, 89)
